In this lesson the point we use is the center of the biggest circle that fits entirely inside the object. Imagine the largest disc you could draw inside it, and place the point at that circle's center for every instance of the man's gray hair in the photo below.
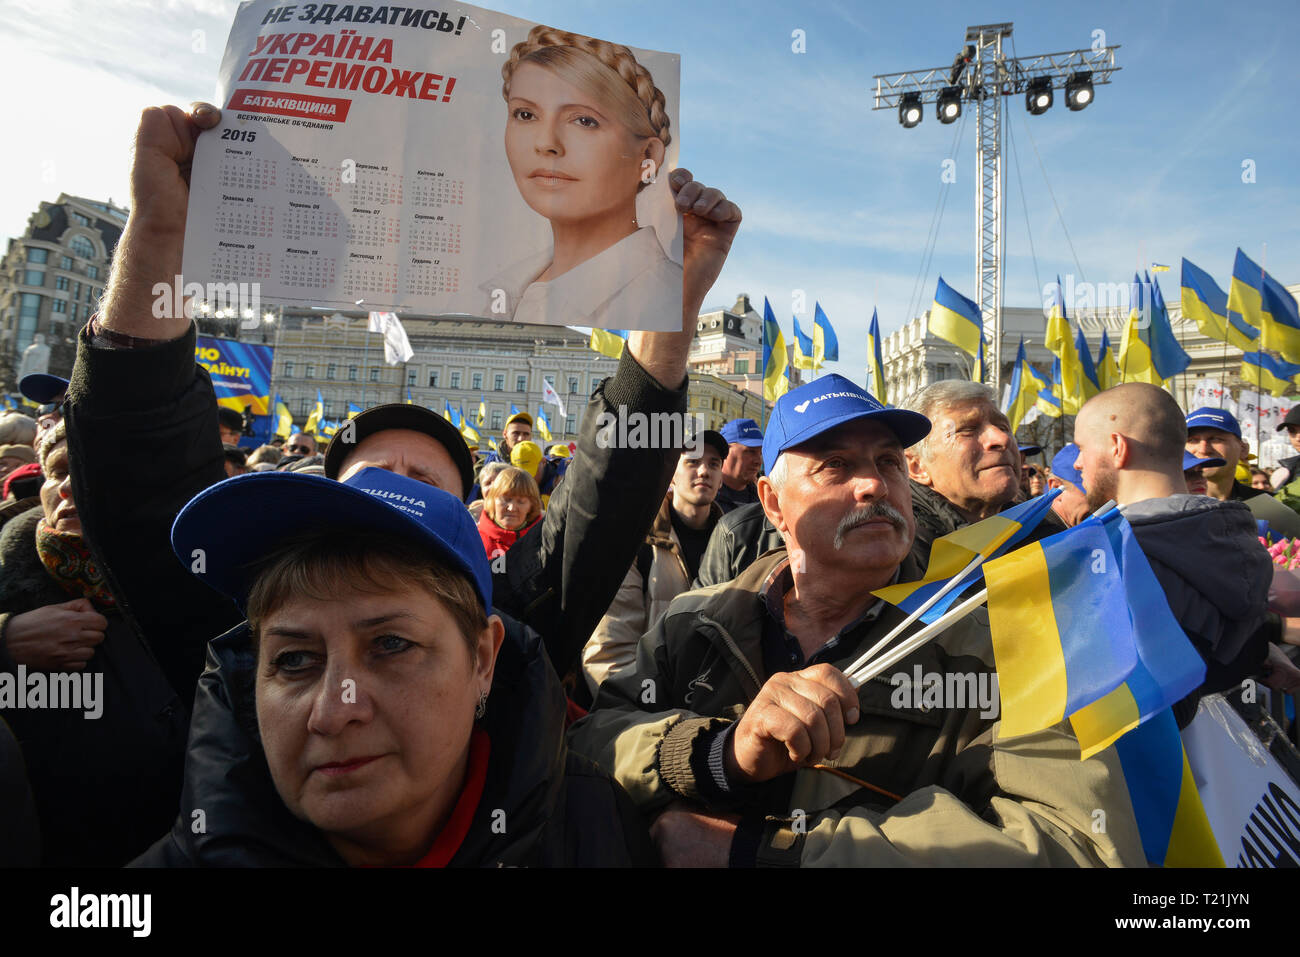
(938, 397)
(17, 429)
(50, 439)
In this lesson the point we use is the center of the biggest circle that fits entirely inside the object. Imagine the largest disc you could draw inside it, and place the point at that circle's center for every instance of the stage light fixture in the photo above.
(1078, 90)
(1038, 96)
(909, 110)
(948, 107)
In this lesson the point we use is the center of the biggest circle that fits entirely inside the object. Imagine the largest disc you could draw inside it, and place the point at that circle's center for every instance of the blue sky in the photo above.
(838, 198)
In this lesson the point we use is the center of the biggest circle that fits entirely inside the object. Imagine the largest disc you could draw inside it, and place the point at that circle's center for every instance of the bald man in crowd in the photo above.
(1204, 552)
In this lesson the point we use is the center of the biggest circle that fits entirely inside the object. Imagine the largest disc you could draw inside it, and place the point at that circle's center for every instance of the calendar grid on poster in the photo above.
(435, 237)
(436, 190)
(362, 279)
(240, 265)
(246, 172)
(431, 279)
(251, 221)
(313, 182)
(309, 223)
(373, 230)
(306, 271)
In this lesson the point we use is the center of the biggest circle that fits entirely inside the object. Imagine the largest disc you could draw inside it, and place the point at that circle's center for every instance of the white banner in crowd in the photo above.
(373, 155)
(1208, 392)
(1252, 803)
(397, 347)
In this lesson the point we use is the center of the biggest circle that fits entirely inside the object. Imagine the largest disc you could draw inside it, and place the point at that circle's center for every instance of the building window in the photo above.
(476, 380)
(304, 406)
(79, 219)
(81, 246)
(76, 311)
(76, 290)
(570, 424)
(330, 370)
(352, 373)
(92, 272)
(90, 293)
(410, 377)
(521, 383)
(35, 255)
(311, 371)
(455, 380)
(433, 379)
(374, 375)
(65, 262)
(33, 277)
(59, 305)
(496, 418)
(288, 370)
(573, 385)
(498, 383)
(742, 366)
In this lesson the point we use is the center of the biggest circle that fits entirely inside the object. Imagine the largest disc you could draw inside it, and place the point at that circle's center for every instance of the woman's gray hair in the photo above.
(17, 429)
(490, 472)
(937, 398)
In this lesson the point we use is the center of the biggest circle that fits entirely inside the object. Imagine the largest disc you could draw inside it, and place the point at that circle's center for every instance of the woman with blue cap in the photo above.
(372, 711)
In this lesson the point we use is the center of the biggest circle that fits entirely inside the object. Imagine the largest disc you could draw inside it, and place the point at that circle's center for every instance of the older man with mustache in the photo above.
(740, 734)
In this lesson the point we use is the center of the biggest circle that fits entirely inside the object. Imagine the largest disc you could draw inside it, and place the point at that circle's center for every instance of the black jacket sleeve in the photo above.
(143, 441)
(561, 577)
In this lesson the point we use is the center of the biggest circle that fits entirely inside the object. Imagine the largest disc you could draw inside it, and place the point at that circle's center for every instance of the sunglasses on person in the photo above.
(299, 450)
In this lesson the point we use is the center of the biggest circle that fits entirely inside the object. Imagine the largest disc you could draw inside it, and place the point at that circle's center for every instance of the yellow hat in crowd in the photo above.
(527, 456)
(559, 450)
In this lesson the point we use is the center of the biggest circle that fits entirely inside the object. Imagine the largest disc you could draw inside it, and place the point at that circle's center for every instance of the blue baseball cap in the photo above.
(235, 523)
(1211, 418)
(744, 431)
(1063, 465)
(1028, 450)
(1190, 461)
(826, 402)
(41, 387)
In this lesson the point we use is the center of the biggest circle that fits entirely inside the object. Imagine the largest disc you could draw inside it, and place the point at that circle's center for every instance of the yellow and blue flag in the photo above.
(978, 371)
(802, 357)
(317, 415)
(409, 400)
(1207, 305)
(355, 410)
(1026, 383)
(1281, 320)
(1107, 368)
(826, 345)
(1049, 398)
(1060, 341)
(875, 362)
(328, 427)
(543, 423)
(1171, 819)
(1149, 352)
(950, 553)
(1082, 630)
(955, 318)
(482, 409)
(469, 433)
(609, 342)
(450, 414)
(1244, 291)
(775, 381)
(1265, 372)
(283, 418)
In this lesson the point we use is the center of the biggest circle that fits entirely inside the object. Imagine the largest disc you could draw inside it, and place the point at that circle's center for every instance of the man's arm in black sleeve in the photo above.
(562, 576)
(143, 441)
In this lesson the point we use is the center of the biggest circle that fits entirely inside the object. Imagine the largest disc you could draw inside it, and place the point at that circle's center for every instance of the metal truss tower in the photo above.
(982, 75)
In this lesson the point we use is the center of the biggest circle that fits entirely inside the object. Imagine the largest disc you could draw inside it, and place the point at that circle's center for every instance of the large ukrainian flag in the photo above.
(1090, 579)
(1090, 383)
(775, 381)
(956, 318)
(951, 553)
(1265, 372)
(1207, 305)
(1049, 398)
(875, 362)
(283, 418)
(1150, 352)
(1244, 290)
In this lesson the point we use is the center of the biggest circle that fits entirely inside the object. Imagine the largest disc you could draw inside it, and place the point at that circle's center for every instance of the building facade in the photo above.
(52, 277)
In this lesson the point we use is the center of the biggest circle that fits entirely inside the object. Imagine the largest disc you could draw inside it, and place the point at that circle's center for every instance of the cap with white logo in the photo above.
(744, 431)
(234, 524)
(826, 402)
(1211, 418)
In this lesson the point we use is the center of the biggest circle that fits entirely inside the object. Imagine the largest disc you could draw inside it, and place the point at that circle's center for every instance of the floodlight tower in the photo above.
(982, 74)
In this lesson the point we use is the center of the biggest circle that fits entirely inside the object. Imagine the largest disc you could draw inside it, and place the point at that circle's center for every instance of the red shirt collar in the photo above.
(454, 832)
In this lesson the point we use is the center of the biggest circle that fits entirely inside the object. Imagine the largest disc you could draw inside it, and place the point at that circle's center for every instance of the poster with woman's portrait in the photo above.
(433, 162)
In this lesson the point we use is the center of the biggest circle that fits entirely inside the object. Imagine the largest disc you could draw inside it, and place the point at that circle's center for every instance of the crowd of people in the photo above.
(390, 650)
